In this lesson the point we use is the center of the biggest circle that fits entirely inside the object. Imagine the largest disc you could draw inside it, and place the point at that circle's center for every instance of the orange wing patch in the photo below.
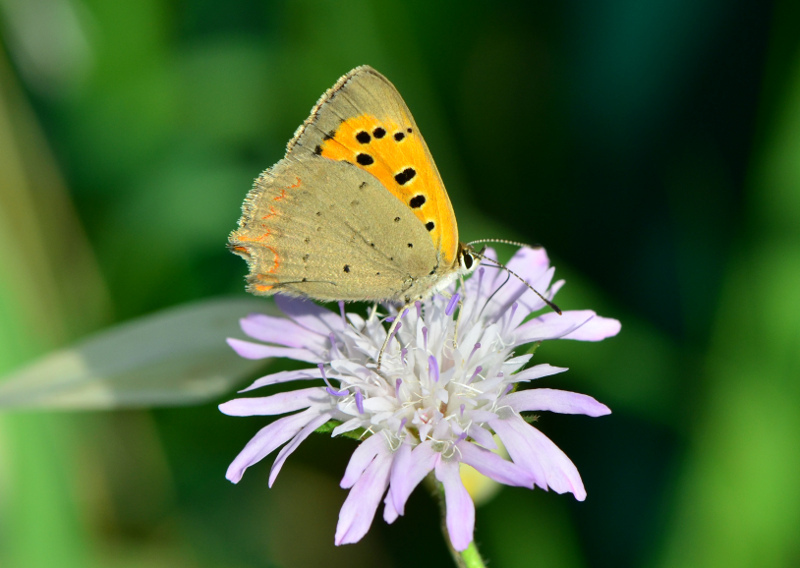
(394, 153)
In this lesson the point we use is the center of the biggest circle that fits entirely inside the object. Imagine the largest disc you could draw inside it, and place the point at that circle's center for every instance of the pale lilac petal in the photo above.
(390, 514)
(482, 436)
(537, 372)
(267, 440)
(537, 454)
(553, 325)
(408, 473)
(287, 450)
(361, 458)
(250, 350)
(309, 315)
(493, 466)
(530, 263)
(280, 403)
(359, 508)
(554, 400)
(285, 377)
(282, 331)
(596, 329)
(460, 516)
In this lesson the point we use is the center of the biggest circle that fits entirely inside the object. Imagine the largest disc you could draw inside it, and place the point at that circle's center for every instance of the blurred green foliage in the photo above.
(652, 147)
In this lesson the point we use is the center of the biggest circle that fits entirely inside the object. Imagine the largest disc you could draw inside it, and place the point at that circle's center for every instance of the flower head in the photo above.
(445, 387)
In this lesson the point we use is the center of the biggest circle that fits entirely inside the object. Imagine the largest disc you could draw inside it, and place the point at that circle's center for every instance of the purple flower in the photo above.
(446, 385)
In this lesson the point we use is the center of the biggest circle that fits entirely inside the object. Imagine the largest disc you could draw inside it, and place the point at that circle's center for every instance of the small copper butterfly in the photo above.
(356, 210)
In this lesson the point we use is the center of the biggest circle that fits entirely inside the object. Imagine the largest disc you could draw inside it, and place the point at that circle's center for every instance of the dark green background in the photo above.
(653, 147)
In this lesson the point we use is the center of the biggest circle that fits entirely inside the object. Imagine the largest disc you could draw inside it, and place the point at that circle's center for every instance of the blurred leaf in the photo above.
(178, 356)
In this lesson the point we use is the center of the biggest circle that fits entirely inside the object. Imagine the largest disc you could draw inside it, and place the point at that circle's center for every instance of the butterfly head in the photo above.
(467, 258)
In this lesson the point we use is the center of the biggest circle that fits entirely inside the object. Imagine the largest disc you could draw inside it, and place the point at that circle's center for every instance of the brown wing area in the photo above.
(327, 230)
(363, 120)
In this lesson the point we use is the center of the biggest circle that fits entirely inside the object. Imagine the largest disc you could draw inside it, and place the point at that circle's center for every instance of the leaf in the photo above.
(177, 356)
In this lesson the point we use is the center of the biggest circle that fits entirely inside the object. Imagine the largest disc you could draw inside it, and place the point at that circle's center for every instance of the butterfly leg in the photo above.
(392, 332)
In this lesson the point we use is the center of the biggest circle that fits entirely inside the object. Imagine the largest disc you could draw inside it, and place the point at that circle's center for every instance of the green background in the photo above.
(653, 147)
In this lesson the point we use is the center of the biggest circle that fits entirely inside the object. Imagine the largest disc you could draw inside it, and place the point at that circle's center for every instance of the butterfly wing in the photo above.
(363, 120)
(328, 230)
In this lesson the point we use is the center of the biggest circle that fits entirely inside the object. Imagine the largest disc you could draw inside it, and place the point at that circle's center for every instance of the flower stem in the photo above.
(467, 558)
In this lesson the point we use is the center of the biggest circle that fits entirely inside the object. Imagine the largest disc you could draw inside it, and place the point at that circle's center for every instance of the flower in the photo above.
(445, 387)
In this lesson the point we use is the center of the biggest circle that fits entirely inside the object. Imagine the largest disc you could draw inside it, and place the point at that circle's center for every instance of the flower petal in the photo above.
(359, 508)
(250, 350)
(281, 331)
(285, 377)
(493, 466)
(596, 329)
(287, 450)
(309, 315)
(390, 514)
(537, 372)
(409, 469)
(268, 439)
(552, 325)
(361, 458)
(460, 516)
(554, 400)
(280, 403)
(537, 454)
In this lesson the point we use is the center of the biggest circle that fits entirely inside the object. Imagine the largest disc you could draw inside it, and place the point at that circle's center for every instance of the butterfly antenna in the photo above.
(505, 242)
(518, 277)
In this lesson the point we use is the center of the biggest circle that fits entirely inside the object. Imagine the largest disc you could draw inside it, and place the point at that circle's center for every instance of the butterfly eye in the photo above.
(468, 261)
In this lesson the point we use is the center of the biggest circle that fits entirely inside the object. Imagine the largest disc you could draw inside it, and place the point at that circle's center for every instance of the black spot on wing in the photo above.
(365, 159)
(363, 137)
(417, 201)
(379, 133)
(405, 176)
(430, 225)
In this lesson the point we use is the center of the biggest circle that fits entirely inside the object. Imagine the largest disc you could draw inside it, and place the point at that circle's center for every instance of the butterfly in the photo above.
(356, 210)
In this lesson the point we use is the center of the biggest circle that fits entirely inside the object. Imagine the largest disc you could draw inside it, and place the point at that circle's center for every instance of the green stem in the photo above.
(468, 558)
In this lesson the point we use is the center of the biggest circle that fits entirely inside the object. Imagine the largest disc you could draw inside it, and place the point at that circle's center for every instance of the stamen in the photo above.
(451, 306)
(463, 408)
(478, 370)
(341, 310)
(433, 368)
(418, 305)
(334, 348)
(402, 425)
(359, 401)
(474, 349)
(425, 337)
(329, 388)
(397, 384)
(403, 354)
